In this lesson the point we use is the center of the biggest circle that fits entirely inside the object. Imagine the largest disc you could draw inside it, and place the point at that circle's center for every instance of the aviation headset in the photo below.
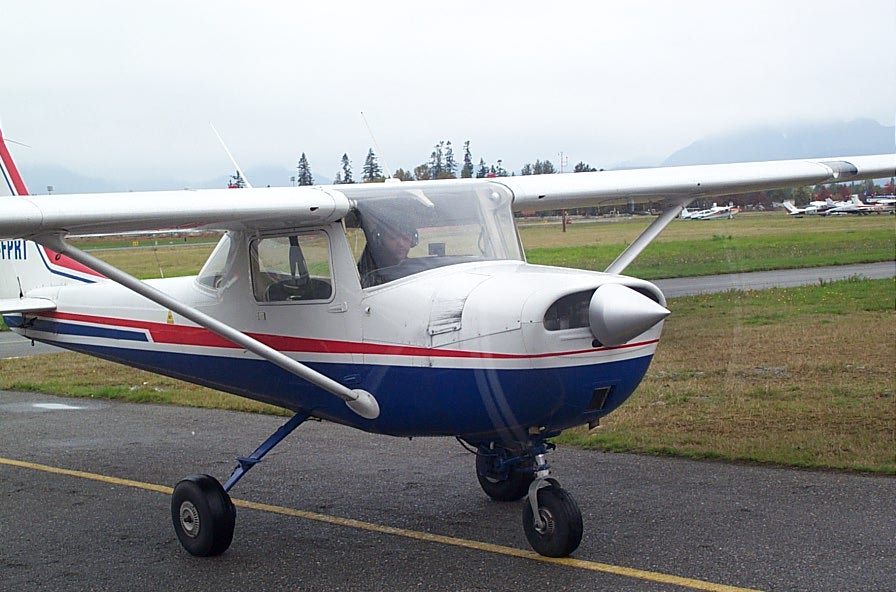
(398, 230)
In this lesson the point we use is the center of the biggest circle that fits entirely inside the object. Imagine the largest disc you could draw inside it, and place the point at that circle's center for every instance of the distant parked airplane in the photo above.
(716, 212)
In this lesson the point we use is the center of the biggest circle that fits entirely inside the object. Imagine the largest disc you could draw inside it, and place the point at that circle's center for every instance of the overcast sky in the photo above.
(122, 89)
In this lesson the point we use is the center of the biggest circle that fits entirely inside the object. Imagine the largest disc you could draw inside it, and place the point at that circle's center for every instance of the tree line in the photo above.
(442, 164)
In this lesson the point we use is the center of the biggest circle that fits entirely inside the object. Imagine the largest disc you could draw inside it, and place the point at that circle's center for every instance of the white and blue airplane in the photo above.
(404, 309)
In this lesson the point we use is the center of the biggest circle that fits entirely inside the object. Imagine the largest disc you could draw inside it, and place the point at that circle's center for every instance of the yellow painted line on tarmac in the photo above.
(85, 475)
(640, 574)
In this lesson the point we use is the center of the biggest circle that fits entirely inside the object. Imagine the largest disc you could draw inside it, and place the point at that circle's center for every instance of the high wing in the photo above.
(23, 216)
(222, 209)
(681, 185)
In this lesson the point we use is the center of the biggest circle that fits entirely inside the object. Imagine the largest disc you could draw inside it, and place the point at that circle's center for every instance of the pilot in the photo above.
(387, 246)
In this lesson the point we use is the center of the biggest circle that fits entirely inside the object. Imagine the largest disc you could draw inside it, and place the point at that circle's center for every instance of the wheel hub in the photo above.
(547, 522)
(189, 519)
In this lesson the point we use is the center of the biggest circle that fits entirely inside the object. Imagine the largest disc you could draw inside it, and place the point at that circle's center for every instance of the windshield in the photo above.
(401, 230)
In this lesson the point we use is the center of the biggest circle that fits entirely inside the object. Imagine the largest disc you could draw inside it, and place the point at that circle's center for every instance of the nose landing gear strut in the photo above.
(552, 520)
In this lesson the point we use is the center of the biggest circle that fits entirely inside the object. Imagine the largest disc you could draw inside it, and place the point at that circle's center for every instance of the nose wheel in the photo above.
(553, 524)
(552, 520)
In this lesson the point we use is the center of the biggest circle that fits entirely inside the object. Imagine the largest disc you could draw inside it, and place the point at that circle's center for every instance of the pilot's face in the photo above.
(396, 246)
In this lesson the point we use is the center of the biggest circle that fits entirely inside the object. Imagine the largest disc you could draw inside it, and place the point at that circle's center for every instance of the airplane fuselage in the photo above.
(464, 349)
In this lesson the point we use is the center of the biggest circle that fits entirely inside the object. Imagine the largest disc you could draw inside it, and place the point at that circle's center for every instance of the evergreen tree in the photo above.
(500, 171)
(539, 168)
(436, 164)
(372, 171)
(467, 171)
(583, 167)
(450, 168)
(544, 168)
(338, 179)
(346, 170)
(236, 181)
(304, 172)
(482, 171)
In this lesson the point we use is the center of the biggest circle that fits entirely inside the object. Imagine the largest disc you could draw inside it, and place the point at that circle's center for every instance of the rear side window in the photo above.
(291, 268)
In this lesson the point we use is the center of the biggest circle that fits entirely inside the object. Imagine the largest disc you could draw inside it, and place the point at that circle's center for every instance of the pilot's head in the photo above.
(393, 241)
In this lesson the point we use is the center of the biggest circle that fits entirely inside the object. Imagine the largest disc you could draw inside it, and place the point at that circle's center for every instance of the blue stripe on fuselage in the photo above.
(13, 320)
(414, 401)
(62, 328)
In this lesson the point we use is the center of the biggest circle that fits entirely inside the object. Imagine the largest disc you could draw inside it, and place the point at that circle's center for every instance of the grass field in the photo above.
(803, 376)
(749, 242)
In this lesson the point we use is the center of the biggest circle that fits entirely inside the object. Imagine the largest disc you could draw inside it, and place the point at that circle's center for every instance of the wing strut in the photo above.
(645, 238)
(358, 400)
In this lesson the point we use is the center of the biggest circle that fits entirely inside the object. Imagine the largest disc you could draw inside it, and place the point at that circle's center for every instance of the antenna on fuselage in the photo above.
(377, 146)
(5, 139)
(230, 156)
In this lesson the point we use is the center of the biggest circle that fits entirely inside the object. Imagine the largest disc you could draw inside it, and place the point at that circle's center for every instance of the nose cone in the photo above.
(618, 313)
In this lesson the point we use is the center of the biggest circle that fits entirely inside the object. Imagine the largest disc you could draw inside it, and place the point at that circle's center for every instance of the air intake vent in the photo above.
(599, 398)
(570, 312)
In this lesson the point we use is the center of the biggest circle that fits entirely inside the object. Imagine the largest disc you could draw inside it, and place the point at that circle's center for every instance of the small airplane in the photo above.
(398, 308)
(852, 207)
(716, 212)
(876, 206)
(810, 209)
(884, 200)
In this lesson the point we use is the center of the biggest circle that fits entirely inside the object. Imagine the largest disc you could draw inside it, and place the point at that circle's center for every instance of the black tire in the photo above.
(514, 488)
(203, 516)
(563, 523)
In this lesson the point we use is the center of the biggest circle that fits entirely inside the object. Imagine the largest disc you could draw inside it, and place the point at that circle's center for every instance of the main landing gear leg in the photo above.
(202, 512)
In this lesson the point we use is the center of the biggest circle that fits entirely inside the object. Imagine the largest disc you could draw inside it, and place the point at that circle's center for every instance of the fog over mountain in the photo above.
(807, 140)
(853, 138)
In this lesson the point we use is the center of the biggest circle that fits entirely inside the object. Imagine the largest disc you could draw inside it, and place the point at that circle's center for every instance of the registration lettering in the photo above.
(13, 250)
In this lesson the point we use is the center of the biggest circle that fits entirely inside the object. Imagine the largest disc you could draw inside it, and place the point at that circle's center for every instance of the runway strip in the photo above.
(649, 576)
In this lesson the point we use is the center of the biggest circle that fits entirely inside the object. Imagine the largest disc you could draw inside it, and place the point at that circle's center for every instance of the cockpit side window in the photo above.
(293, 267)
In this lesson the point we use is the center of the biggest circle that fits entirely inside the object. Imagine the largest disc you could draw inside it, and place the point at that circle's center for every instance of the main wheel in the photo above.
(562, 530)
(511, 489)
(203, 515)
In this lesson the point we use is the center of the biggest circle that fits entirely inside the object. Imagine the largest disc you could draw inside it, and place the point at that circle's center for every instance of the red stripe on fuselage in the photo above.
(65, 262)
(165, 333)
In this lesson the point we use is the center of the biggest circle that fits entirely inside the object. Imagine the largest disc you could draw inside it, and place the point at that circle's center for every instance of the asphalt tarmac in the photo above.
(783, 278)
(352, 511)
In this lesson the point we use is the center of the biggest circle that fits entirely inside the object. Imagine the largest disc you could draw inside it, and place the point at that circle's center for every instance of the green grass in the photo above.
(143, 241)
(729, 254)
